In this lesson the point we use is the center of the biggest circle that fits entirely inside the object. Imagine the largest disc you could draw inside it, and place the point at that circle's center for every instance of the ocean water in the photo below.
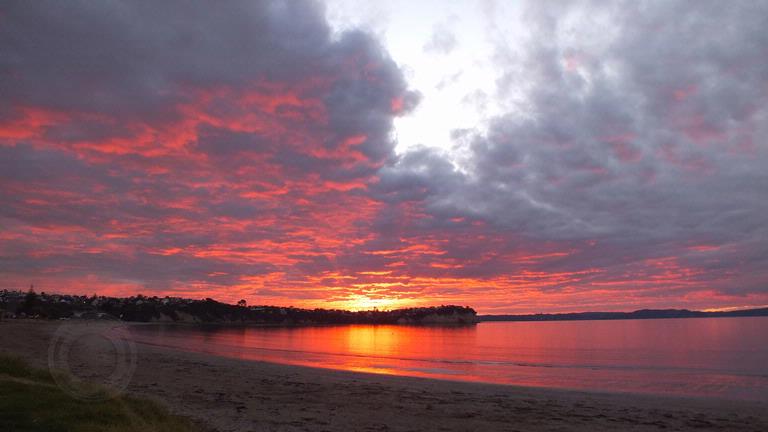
(709, 357)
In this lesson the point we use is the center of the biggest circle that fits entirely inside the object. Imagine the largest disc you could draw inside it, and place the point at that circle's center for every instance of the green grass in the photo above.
(30, 401)
(15, 367)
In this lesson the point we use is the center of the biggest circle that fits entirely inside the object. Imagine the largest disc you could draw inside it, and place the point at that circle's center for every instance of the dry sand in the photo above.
(237, 395)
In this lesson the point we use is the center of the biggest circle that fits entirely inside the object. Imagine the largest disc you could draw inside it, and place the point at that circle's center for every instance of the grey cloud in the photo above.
(442, 41)
(140, 61)
(117, 70)
(641, 136)
(224, 143)
(71, 56)
(643, 130)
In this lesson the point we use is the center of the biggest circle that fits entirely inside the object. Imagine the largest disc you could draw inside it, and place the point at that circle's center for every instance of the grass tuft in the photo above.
(16, 367)
(31, 402)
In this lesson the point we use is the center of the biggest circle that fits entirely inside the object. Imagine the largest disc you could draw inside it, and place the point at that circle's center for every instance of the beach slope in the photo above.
(238, 395)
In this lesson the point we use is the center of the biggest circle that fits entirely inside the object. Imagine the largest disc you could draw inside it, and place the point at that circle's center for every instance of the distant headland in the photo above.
(638, 314)
(18, 304)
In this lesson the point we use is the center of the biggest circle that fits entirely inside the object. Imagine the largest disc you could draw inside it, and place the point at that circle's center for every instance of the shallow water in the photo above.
(715, 357)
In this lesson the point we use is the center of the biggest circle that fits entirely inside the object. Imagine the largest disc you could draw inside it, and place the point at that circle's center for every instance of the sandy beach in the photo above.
(224, 394)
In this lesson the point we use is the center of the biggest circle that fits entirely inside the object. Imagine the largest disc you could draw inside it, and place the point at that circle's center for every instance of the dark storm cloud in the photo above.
(74, 55)
(142, 60)
(225, 143)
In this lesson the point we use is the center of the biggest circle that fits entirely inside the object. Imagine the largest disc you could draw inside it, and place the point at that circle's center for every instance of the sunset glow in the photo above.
(306, 154)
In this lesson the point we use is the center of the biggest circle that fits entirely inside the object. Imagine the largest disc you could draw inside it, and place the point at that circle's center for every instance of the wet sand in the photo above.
(225, 394)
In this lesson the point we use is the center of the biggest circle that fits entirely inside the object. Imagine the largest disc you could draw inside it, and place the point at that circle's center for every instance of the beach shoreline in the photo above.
(229, 394)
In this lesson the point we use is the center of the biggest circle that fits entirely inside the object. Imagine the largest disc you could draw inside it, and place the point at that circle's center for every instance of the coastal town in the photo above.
(15, 304)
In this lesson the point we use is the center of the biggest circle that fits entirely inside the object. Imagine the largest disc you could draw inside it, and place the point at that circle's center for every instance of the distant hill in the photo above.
(638, 314)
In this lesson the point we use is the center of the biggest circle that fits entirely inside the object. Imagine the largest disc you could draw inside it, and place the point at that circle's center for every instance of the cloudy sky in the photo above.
(512, 156)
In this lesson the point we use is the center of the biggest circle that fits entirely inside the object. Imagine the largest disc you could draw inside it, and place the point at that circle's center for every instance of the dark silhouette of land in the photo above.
(17, 304)
(638, 314)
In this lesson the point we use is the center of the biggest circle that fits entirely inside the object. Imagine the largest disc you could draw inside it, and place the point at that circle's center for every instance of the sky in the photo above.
(513, 156)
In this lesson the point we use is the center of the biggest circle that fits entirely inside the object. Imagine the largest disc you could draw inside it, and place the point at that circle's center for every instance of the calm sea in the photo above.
(715, 357)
